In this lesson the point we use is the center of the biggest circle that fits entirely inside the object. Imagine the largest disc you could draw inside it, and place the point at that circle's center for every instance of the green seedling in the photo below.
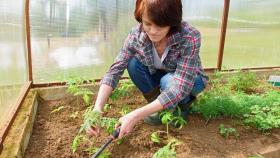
(57, 109)
(91, 118)
(73, 87)
(178, 120)
(167, 151)
(108, 124)
(76, 142)
(167, 117)
(125, 110)
(86, 95)
(107, 107)
(226, 132)
(123, 90)
(155, 138)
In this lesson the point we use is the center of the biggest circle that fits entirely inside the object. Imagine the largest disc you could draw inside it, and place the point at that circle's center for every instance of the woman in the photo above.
(162, 57)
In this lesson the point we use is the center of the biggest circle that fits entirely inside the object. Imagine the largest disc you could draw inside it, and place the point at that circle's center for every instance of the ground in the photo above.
(53, 134)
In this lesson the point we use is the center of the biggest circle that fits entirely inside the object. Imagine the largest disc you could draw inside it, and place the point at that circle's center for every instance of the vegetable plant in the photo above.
(74, 87)
(226, 132)
(168, 151)
(125, 110)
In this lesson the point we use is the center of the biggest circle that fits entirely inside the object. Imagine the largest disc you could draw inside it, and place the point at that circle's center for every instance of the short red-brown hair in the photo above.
(161, 12)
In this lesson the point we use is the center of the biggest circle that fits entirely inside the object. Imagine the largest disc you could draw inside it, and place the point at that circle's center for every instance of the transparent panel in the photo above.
(206, 16)
(82, 38)
(13, 70)
(253, 34)
(77, 38)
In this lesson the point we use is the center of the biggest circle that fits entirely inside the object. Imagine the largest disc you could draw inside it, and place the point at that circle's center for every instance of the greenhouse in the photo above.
(63, 91)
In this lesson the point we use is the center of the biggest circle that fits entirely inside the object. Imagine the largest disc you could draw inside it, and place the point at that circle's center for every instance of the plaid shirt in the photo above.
(182, 59)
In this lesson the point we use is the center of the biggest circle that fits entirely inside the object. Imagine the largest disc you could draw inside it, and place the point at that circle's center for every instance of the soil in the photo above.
(53, 134)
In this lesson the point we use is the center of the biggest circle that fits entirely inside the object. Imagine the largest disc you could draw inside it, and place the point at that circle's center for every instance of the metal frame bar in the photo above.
(4, 131)
(223, 34)
(28, 42)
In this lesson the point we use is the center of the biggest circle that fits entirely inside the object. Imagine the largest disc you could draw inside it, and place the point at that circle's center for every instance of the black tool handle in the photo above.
(115, 134)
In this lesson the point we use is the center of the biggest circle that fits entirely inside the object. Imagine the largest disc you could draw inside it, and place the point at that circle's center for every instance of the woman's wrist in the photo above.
(97, 109)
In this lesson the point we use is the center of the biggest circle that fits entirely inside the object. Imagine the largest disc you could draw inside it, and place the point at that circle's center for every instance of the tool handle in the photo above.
(116, 132)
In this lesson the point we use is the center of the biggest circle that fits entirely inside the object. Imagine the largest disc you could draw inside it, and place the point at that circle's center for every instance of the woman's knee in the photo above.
(132, 64)
(166, 81)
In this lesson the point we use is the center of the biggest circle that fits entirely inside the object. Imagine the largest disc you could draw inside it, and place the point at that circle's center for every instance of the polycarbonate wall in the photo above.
(82, 38)
(13, 69)
(206, 16)
(77, 38)
(253, 34)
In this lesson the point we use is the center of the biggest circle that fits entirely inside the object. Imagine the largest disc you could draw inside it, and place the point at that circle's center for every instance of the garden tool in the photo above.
(115, 135)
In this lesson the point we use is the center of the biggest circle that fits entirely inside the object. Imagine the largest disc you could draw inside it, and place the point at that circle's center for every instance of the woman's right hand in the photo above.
(94, 130)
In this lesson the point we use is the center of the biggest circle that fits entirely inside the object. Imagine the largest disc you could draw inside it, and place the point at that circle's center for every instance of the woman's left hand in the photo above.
(127, 123)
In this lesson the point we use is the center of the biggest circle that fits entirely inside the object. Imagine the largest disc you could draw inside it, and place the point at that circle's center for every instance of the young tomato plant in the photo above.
(122, 90)
(125, 110)
(108, 124)
(91, 118)
(226, 132)
(74, 88)
(167, 151)
(76, 142)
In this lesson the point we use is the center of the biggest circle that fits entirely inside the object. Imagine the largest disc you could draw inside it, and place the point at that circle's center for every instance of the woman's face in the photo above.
(155, 33)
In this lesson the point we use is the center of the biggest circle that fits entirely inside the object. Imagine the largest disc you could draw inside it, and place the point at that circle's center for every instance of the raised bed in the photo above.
(58, 122)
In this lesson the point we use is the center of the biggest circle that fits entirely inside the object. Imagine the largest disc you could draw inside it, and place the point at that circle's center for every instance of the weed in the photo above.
(57, 109)
(74, 114)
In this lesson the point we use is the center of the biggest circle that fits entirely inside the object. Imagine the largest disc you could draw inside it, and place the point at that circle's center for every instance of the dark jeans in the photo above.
(146, 82)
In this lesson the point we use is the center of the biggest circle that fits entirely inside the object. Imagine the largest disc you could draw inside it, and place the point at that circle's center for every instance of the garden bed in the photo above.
(53, 134)
(59, 121)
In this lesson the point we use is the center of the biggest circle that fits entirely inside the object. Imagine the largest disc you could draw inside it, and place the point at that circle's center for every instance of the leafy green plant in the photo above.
(74, 87)
(107, 107)
(155, 138)
(57, 109)
(243, 81)
(76, 142)
(226, 132)
(167, 151)
(85, 93)
(122, 90)
(125, 110)
(167, 117)
(91, 118)
(264, 118)
(109, 124)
